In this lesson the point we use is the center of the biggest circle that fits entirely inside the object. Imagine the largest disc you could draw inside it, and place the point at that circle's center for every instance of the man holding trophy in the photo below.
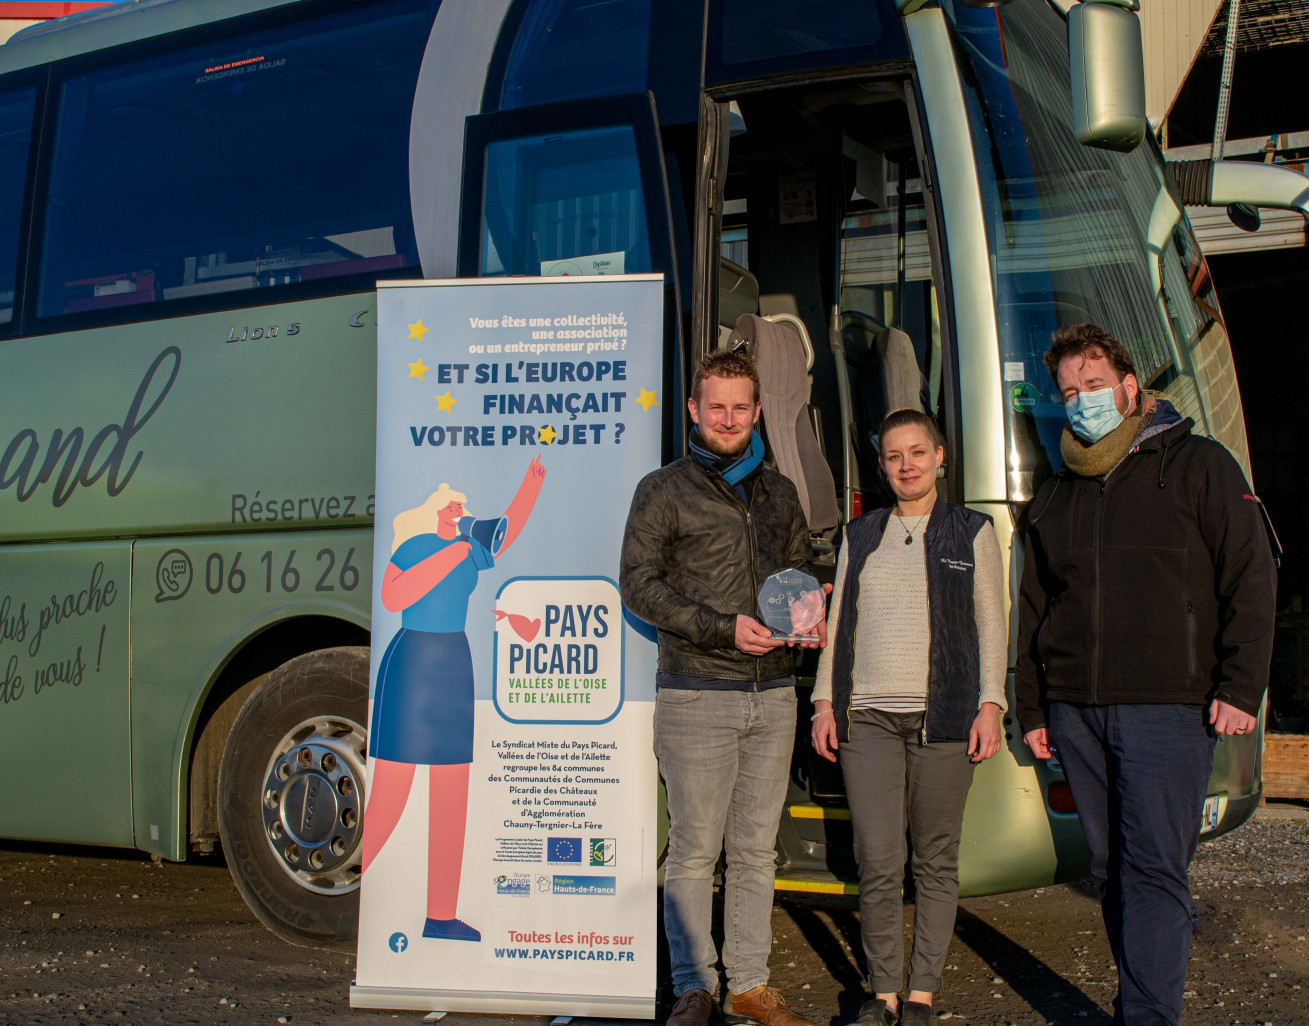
(711, 540)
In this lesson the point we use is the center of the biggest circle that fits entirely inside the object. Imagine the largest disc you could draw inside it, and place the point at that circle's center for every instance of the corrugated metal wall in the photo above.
(1172, 32)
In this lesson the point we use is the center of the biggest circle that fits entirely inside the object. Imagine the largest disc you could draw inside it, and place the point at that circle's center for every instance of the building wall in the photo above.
(8, 26)
(1171, 31)
(18, 14)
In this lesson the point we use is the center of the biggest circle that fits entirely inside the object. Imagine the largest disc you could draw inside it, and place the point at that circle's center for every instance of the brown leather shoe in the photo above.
(693, 1008)
(763, 1004)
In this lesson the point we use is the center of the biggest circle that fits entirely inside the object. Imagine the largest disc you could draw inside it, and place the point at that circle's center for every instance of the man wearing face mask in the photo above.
(1145, 632)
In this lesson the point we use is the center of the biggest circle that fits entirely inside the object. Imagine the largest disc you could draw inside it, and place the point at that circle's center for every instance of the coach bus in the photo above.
(198, 197)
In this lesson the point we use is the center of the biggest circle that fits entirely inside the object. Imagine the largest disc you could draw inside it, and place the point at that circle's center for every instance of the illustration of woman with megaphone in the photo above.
(423, 703)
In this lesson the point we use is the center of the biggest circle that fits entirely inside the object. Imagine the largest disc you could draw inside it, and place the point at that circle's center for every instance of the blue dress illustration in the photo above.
(423, 703)
(423, 706)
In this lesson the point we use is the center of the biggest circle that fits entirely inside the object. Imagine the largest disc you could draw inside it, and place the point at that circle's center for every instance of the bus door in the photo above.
(823, 259)
(574, 188)
(64, 690)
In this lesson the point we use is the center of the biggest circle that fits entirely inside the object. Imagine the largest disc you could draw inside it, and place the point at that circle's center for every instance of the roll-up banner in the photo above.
(510, 834)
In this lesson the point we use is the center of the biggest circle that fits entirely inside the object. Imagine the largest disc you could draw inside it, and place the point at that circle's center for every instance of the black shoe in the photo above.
(876, 1013)
(916, 1013)
(693, 1008)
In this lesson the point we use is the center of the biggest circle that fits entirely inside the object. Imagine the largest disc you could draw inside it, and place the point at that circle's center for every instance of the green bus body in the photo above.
(187, 373)
(238, 450)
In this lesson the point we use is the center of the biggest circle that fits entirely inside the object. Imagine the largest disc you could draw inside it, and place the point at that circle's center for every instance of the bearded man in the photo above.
(703, 535)
(1145, 632)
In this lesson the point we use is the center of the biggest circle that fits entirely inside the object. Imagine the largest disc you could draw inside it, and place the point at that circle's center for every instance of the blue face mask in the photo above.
(1092, 415)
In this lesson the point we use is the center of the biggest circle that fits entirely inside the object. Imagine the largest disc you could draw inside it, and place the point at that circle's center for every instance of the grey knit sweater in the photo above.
(893, 639)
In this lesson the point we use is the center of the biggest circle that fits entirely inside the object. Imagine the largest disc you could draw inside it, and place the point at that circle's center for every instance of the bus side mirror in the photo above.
(1107, 68)
(1244, 216)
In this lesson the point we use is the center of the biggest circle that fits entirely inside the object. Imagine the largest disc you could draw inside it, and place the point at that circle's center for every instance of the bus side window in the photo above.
(566, 189)
(273, 158)
(574, 188)
(564, 204)
(569, 49)
(15, 138)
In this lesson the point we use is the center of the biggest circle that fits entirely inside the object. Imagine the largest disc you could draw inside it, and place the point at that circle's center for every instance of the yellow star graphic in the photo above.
(417, 330)
(547, 435)
(445, 403)
(647, 399)
(417, 370)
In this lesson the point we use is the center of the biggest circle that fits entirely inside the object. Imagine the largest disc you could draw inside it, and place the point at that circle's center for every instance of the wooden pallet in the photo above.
(1286, 766)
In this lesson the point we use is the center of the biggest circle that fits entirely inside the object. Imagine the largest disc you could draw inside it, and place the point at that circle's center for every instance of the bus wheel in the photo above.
(291, 797)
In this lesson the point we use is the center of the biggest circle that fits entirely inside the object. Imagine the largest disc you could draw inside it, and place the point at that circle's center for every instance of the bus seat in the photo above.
(815, 414)
(795, 324)
(738, 293)
(780, 358)
(899, 381)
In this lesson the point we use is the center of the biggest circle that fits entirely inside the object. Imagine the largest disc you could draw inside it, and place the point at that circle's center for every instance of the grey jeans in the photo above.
(889, 780)
(725, 757)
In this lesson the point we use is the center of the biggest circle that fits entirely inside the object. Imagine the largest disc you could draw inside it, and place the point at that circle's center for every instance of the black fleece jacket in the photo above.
(1152, 584)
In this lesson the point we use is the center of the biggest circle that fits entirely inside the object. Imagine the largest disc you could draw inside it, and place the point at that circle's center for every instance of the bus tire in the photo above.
(291, 797)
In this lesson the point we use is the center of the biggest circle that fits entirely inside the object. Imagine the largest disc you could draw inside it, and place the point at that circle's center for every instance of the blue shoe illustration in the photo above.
(450, 929)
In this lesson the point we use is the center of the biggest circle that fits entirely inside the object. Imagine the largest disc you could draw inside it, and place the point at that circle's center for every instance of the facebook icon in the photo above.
(398, 942)
(564, 849)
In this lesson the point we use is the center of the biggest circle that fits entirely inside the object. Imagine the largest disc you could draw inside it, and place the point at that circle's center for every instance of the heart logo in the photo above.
(523, 627)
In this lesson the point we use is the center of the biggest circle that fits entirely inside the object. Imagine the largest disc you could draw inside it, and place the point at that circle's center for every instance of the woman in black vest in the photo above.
(910, 693)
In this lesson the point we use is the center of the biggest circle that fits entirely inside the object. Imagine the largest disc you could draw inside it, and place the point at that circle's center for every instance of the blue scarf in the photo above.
(734, 469)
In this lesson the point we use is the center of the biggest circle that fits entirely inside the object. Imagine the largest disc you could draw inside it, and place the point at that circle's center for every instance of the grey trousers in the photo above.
(724, 756)
(890, 780)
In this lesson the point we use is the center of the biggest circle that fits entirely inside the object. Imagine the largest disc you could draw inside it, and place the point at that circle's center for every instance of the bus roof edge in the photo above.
(104, 27)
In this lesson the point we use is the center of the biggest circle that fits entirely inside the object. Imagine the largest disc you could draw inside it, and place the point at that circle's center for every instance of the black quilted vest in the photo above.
(954, 675)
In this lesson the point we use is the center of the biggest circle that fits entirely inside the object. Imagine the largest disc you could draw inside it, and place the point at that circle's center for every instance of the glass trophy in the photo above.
(791, 605)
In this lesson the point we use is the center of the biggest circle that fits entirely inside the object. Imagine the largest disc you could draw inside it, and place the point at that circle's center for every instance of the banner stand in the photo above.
(509, 835)
(587, 1006)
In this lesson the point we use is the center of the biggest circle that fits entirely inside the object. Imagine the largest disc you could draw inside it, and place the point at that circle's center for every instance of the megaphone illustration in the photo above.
(485, 537)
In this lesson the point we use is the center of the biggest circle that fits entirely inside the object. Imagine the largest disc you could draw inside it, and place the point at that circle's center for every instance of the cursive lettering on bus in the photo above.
(65, 634)
(13, 625)
(19, 464)
(98, 595)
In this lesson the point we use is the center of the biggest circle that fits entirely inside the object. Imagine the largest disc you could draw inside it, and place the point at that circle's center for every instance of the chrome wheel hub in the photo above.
(313, 803)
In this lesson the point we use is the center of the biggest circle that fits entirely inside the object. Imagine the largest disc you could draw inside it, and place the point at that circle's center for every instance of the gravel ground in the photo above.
(97, 937)
(1041, 956)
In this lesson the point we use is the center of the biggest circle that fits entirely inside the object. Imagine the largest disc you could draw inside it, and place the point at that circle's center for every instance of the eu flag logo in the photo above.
(564, 849)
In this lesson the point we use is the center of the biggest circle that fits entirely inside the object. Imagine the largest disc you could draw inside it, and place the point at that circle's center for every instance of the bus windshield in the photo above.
(1077, 234)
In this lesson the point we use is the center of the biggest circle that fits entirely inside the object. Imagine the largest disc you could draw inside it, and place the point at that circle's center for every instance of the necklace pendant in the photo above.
(908, 539)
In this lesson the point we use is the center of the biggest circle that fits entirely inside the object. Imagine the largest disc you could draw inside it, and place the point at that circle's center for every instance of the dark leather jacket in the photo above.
(694, 557)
